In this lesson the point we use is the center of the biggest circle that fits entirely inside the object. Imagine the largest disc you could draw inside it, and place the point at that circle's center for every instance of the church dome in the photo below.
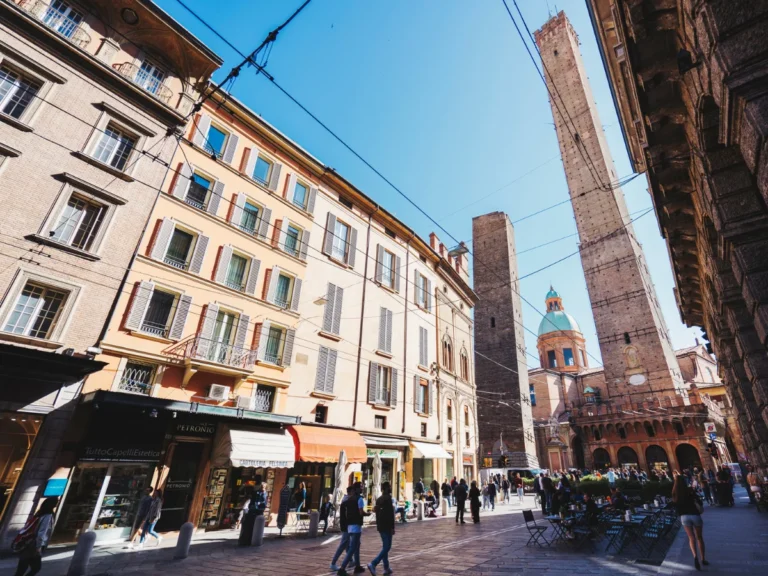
(552, 293)
(557, 320)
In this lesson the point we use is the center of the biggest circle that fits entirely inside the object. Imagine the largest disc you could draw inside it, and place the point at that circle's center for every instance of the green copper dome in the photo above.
(552, 293)
(557, 320)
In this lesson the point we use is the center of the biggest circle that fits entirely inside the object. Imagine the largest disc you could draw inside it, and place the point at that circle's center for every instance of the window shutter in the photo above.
(266, 215)
(416, 396)
(139, 305)
(311, 200)
(274, 178)
(229, 151)
(429, 295)
(277, 229)
(330, 304)
(260, 335)
(250, 164)
(423, 343)
(296, 296)
(322, 369)
(393, 389)
(244, 159)
(253, 277)
(397, 273)
(198, 255)
(330, 375)
(330, 233)
(352, 248)
(201, 130)
(206, 329)
(183, 177)
(242, 330)
(283, 234)
(383, 329)
(180, 319)
(336, 329)
(216, 195)
(416, 287)
(273, 285)
(372, 375)
(379, 262)
(389, 331)
(236, 214)
(290, 186)
(304, 245)
(162, 239)
(221, 268)
(431, 398)
(288, 346)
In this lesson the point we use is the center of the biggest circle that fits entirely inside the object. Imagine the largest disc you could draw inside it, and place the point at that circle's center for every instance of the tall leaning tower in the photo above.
(638, 357)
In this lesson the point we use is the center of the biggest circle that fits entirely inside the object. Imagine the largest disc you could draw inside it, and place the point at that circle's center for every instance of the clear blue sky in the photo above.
(441, 97)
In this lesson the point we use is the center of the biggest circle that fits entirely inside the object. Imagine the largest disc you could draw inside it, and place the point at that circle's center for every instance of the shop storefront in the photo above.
(468, 465)
(17, 435)
(392, 453)
(425, 457)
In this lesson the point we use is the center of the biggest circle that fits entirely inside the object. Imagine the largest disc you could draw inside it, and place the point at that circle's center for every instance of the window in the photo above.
(334, 296)
(423, 289)
(283, 292)
(263, 398)
(423, 347)
(114, 147)
(627, 339)
(215, 141)
(389, 232)
(249, 219)
(466, 439)
(137, 378)
(16, 92)
(388, 269)
(622, 432)
(150, 77)
(532, 393)
(236, 272)
(449, 411)
(447, 353)
(36, 311)
(383, 384)
(292, 240)
(346, 202)
(385, 330)
(423, 429)
(62, 18)
(649, 429)
(262, 171)
(326, 370)
(79, 223)
(422, 397)
(340, 241)
(179, 249)
(551, 359)
(466, 416)
(450, 435)
(300, 195)
(568, 356)
(380, 422)
(678, 426)
(321, 414)
(464, 365)
(197, 192)
(159, 313)
(493, 322)
(274, 345)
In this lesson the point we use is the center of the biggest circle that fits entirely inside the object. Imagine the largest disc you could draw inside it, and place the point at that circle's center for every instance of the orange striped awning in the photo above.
(321, 444)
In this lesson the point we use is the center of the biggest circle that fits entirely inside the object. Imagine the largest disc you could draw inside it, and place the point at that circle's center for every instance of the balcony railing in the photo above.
(137, 380)
(157, 89)
(175, 262)
(262, 400)
(199, 348)
(63, 24)
(154, 329)
(239, 286)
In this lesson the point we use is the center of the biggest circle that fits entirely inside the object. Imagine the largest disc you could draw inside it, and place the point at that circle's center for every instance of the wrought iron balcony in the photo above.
(151, 85)
(65, 24)
(205, 349)
(136, 379)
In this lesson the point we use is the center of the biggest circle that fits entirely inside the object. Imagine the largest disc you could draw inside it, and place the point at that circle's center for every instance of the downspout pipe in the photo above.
(405, 330)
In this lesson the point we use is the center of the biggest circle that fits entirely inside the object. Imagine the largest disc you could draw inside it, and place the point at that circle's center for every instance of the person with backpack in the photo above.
(32, 540)
(385, 524)
(355, 507)
(141, 516)
(344, 543)
(152, 517)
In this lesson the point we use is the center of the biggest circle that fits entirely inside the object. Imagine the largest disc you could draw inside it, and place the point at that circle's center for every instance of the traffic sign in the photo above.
(712, 436)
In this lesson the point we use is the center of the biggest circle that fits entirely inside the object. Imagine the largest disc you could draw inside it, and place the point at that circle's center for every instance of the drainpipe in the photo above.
(362, 316)
(405, 330)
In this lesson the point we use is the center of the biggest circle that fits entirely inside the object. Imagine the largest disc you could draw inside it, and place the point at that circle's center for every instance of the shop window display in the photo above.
(17, 434)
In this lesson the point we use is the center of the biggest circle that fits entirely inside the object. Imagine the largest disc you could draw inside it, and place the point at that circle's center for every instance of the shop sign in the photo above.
(467, 459)
(709, 427)
(195, 428)
(121, 454)
(393, 454)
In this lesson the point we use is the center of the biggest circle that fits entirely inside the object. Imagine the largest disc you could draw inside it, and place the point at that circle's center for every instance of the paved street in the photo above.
(735, 539)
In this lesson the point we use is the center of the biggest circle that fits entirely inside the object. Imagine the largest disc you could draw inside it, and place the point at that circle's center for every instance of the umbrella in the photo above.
(338, 488)
(376, 476)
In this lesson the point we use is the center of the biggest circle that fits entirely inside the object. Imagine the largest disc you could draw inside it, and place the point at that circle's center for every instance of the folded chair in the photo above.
(536, 532)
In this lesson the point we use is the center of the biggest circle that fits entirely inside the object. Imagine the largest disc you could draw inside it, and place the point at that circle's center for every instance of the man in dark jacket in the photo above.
(492, 494)
(419, 489)
(344, 543)
(355, 509)
(447, 491)
(549, 489)
(385, 524)
(454, 483)
(460, 494)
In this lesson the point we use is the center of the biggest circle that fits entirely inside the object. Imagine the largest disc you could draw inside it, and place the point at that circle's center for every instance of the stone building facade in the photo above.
(688, 79)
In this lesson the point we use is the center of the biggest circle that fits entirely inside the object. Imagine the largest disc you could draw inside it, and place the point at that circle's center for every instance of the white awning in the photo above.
(254, 449)
(384, 441)
(425, 450)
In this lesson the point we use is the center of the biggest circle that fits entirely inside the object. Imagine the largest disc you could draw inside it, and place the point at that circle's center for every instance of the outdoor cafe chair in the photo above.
(536, 532)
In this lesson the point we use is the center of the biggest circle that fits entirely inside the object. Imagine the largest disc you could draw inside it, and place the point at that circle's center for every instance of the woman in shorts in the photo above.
(689, 508)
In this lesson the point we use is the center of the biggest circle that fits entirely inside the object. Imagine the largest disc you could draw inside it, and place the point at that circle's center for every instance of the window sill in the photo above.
(265, 364)
(384, 407)
(383, 353)
(30, 340)
(140, 334)
(423, 368)
(18, 124)
(334, 337)
(385, 287)
(338, 262)
(106, 167)
(61, 246)
(322, 395)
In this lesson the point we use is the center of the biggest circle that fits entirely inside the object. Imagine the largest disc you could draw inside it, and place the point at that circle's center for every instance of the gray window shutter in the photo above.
(206, 330)
(311, 200)
(274, 178)
(379, 262)
(330, 304)
(162, 239)
(242, 330)
(416, 287)
(336, 328)
(198, 255)
(352, 248)
(201, 130)
(253, 277)
(290, 187)
(397, 273)
(182, 181)
(304, 245)
(229, 151)
(250, 164)
(431, 398)
(322, 369)
(216, 195)
(273, 284)
(416, 396)
(423, 356)
(330, 234)
(180, 319)
(330, 375)
(389, 331)
(429, 294)
(223, 266)
(372, 374)
(260, 353)
(296, 296)
(236, 214)
(266, 215)
(139, 305)
(383, 329)
(288, 347)
(393, 389)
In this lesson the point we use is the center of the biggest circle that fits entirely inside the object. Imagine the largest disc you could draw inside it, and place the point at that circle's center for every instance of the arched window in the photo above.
(464, 364)
(447, 353)
(466, 415)
(449, 410)
(649, 429)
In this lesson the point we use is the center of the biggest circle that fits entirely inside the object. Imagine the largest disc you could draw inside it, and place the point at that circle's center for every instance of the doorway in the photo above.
(180, 487)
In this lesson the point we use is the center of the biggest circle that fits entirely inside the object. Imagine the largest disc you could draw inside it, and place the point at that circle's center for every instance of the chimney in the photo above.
(433, 241)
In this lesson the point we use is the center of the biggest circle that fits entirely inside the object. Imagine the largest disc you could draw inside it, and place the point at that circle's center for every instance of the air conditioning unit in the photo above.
(218, 392)
(245, 402)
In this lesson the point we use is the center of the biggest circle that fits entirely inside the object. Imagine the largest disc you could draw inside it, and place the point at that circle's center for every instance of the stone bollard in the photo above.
(184, 541)
(314, 522)
(419, 510)
(258, 531)
(445, 507)
(79, 564)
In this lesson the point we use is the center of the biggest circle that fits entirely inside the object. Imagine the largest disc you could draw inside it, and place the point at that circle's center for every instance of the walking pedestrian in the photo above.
(538, 488)
(753, 484)
(143, 511)
(152, 517)
(454, 483)
(385, 524)
(435, 487)
(474, 502)
(492, 491)
(447, 491)
(519, 488)
(549, 490)
(460, 494)
(300, 497)
(355, 513)
(689, 508)
(344, 543)
(325, 511)
(611, 477)
(32, 540)
(419, 489)
(505, 489)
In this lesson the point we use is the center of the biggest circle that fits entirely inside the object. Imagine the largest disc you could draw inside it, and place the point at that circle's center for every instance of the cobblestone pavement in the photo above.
(497, 546)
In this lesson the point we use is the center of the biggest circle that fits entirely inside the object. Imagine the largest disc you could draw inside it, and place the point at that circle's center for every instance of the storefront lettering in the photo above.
(92, 453)
(261, 464)
(183, 485)
(202, 428)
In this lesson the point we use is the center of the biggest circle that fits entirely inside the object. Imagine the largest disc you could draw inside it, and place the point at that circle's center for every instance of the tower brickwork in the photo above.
(637, 354)
(505, 420)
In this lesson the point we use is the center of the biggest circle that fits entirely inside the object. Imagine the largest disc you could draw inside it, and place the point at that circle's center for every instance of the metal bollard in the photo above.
(445, 507)
(184, 541)
(419, 510)
(79, 564)
(258, 531)
(314, 522)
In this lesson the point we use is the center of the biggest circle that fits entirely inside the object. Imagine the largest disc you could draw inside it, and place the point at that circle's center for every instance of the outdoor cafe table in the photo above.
(627, 533)
(557, 528)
